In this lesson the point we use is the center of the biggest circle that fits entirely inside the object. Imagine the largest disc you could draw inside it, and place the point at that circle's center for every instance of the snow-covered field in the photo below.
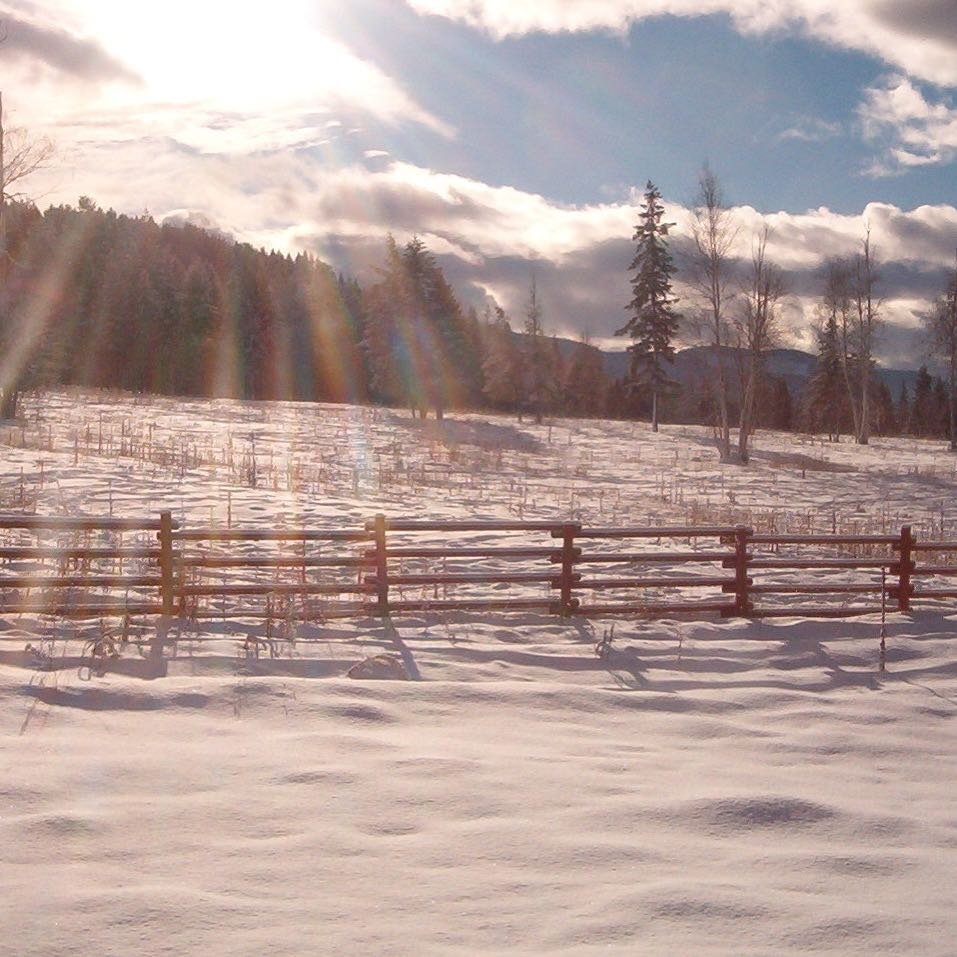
(711, 787)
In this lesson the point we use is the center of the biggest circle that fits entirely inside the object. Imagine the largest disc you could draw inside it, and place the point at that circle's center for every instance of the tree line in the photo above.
(92, 298)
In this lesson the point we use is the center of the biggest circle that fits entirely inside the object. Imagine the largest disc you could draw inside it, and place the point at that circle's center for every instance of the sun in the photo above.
(226, 54)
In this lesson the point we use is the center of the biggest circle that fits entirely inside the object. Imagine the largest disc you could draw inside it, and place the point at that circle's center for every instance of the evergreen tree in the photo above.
(385, 350)
(502, 364)
(586, 382)
(826, 388)
(885, 415)
(194, 352)
(776, 406)
(904, 411)
(941, 412)
(470, 357)
(417, 338)
(556, 373)
(941, 324)
(439, 337)
(922, 410)
(615, 400)
(653, 323)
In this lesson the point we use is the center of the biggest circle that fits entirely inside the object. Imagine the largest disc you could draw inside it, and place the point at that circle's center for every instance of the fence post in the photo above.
(566, 606)
(904, 569)
(381, 566)
(166, 561)
(742, 602)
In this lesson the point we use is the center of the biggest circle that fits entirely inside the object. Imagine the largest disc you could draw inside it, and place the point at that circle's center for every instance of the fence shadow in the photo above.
(666, 658)
(489, 436)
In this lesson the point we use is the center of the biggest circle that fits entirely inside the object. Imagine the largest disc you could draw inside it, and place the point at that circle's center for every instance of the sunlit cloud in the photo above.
(490, 237)
(914, 130)
(918, 37)
(204, 60)
(48, 44)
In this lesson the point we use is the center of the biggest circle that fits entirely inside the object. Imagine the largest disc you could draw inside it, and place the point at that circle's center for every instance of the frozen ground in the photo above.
(705, 788)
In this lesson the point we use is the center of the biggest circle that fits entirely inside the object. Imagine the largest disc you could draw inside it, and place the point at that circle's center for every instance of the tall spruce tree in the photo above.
(385, 351)
(653, 322)
(826, 390)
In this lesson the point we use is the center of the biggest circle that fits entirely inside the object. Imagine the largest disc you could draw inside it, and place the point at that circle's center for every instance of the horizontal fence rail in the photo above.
(86, 571)
(88, 567)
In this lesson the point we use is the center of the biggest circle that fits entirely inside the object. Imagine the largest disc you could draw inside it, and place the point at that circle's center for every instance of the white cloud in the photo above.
(810, 129)
(914, 131)
(184, 62)
(489, 237)
(917, 36)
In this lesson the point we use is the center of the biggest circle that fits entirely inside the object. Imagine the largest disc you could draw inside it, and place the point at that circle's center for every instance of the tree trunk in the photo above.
(747, 413)
(724, 421)
(851, 399)
(864, 435)
(953, 403)
(654, 411)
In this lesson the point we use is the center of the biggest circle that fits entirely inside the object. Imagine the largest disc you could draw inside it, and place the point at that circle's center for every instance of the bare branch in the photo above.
(23, 156)
(713, 232)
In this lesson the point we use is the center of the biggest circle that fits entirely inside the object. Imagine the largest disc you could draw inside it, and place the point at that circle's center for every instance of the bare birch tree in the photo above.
(536, 355)
(866, 321)
(713, 233)
(836, 308)
(757, 332)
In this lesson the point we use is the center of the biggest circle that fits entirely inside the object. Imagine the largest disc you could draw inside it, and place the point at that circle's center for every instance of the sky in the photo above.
(514, 136)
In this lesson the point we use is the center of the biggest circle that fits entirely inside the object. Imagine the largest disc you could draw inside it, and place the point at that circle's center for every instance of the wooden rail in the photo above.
(29, 586)
(636, 570)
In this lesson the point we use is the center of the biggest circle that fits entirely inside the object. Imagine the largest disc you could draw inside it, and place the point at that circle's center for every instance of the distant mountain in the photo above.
(794, 366)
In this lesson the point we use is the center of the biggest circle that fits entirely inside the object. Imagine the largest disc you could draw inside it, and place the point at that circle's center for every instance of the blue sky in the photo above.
(582, 117)
(511, 135)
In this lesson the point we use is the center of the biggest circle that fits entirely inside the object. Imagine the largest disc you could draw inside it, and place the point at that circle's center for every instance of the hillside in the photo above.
(794, 366)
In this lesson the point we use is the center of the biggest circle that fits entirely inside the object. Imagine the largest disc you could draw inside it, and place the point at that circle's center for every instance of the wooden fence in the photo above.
(85, 567)
(47, 576)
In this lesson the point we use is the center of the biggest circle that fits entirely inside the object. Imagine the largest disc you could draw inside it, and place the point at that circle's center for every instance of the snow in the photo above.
(482, 783)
